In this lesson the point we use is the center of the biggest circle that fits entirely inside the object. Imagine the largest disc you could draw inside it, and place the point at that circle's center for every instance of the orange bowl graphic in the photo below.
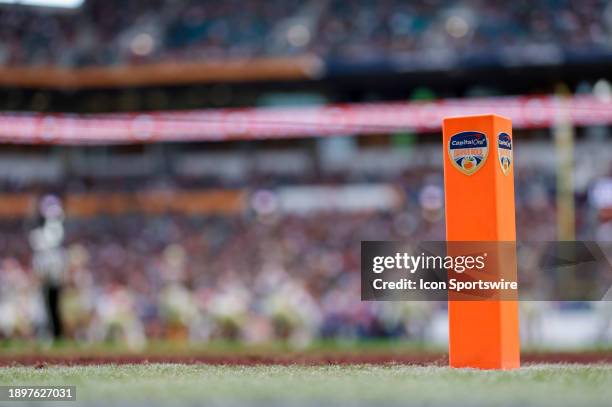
(468, 163)
(468, 150)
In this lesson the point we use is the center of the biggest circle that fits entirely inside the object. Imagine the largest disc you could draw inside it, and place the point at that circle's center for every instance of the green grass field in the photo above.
(554, 385)
(228, 348)
(161, 347)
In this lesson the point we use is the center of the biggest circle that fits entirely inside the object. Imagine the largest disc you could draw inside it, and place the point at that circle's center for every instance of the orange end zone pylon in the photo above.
(479, 194)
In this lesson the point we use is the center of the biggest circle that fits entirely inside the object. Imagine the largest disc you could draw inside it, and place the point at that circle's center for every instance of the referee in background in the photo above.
(48, 259)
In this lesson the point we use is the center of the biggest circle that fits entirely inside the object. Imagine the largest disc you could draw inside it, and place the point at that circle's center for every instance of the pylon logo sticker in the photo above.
(468, 151)
(504, 152)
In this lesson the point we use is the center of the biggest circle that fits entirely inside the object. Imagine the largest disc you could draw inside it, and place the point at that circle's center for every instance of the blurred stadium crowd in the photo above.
(286, 265)
(266, 273)
(428, 33)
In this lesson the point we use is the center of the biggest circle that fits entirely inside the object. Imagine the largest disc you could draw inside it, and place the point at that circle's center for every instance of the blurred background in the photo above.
(195, 171)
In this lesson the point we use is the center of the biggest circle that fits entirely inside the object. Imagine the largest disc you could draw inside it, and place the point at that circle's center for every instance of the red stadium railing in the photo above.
(286, 122)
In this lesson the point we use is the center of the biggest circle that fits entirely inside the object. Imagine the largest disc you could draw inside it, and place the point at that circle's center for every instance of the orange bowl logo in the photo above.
(468, 151)
(504, 152)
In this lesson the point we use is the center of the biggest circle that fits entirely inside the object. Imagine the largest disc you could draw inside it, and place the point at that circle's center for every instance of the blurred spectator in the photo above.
(250, 276)
(426, 33)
